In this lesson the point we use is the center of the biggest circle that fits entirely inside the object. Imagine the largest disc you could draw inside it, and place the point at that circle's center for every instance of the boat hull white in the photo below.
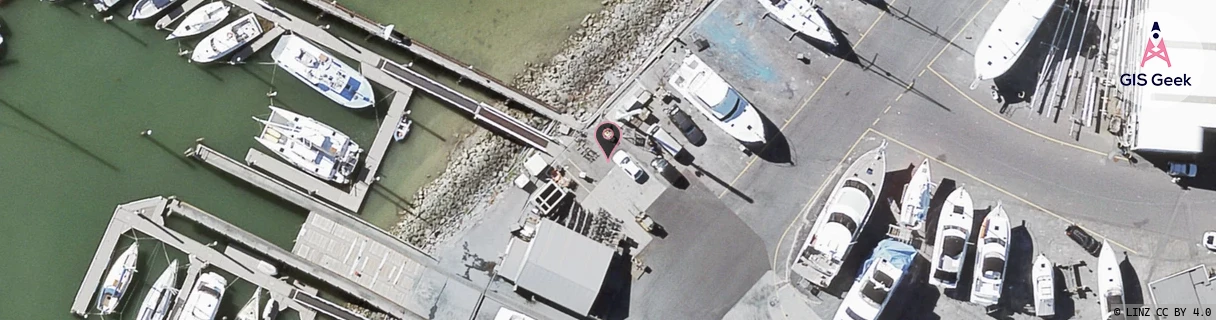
(1044, 287)
(717, 100)
(160, 297)
(950, 247)
(915, 205)
(118, 279)
(1110, 283)
(227, 39)
(201, 20)
(324, 72)
(147, 8)
(205, 297)
(802, 17)
(991, 258)
(1008, 37)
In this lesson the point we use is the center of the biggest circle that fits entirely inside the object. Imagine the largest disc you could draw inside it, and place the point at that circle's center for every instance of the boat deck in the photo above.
(173, 14)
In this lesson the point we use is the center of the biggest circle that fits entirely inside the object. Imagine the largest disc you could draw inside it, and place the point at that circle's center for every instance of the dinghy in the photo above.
(991, 258)
(147, 8)
(842, 219)
(160, 298)
(200, 20)
(115, 284)
(953, 231)
(1044, 287)
(917, 194)
(228, 38)
(1110, 285)
(403, 127)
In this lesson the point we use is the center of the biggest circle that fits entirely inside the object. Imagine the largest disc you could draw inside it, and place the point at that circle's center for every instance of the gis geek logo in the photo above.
(1151, 52)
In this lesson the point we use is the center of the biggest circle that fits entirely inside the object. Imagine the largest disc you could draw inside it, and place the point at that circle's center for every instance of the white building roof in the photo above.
(1172, 118)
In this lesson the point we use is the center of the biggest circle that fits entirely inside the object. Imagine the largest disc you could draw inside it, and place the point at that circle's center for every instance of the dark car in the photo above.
(1087, 242)
(689, 128)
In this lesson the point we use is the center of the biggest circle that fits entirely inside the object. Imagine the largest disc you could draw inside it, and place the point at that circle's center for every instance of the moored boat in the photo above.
(1009, 36)
(147, 8)
(801, 16)
(250, 310)
(1110, 283)
(272, 309)
(228, 38)
(991, 258)
(204, 299)
(323, 72)
(880, 277)
(917, 194)
(104, 5)
(114, 285)
(718, 101)
(403, 127)
(1044, 286)
(312, 146)
(160, 298)
(950, 247)
(842, 219)
(200, 20)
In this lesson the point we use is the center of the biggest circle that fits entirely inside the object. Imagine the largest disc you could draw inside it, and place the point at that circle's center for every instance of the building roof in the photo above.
(1172, 118)
(560, 265)
(1189, 287)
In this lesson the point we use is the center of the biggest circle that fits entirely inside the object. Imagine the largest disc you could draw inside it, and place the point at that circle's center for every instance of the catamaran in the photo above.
(205, 298)
(323, 72)
(842, 219)
(250, 310)
(228, 38)
(717, 100)
(953, 230)
(147, 8)
(1110, 286)
(200, 20)
(881, 275)
(1044, 287)
(310, 145)
(104, 5)
(160, 298)
(115, 284)
(991, 258)
(1009, 36)
(801, 16)
(916, 198)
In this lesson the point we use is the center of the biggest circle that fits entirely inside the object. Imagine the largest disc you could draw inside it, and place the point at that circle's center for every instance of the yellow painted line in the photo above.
(875, 122)
(740, 175)
(993, 186)
(814, 196)
(1010, 122)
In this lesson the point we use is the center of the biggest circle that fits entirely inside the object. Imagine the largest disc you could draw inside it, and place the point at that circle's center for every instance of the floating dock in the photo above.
(143, 216)
(465, 70)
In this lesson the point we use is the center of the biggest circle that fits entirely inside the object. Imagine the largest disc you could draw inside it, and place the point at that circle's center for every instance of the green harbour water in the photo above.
(75, 92)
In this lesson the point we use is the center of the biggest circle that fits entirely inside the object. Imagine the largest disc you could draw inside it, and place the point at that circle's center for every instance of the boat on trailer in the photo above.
(323, 72)
(718, 100)
(801, 16)
(1044, 286)
(991, 258)
(114, 285)
(880, 277)
(229, 38)
(842, 219)
(159, 300)
(201, 20)
(915, 205)
(147, 8)
(1008, 37)
(954, 226)
(312, 146)
(1110, 285)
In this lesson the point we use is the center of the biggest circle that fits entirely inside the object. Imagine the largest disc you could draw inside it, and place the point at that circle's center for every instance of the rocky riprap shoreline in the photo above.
(607, 47)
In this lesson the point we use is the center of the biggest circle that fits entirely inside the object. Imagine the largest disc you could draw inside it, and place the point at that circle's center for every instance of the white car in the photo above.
(627, 163)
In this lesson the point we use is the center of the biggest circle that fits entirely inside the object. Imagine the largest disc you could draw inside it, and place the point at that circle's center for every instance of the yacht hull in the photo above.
(1110, 285)
(201, 20)
(718, 101)
(915, 205)
(991, 258)
(1009, 36)
(147, 8)
(227, 39)
(1044, 286)
(114, 285)
(950, 247)
(802, 17)
(160, 298)
(325, 73)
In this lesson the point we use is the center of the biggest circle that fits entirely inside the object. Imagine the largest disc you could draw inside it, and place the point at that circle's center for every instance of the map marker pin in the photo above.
(608, 135)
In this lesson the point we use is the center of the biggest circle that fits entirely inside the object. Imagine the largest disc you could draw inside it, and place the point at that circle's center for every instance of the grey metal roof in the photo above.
(565, 267)
(1191, 287)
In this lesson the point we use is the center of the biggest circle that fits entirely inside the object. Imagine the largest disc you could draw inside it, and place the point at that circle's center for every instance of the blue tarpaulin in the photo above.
(900, 254)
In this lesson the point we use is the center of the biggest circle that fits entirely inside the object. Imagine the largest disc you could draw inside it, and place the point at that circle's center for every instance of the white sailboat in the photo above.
(323, 72)
(250, 310)
(200, 20)
(801, 16)
(204, 299)
(917, 194)
(160, 298)
(228, 38)
(147, 8)
(950, 248)
(1044, 286)
(310, 145)
(1009, 36)
(991, 258)
(842, 219)
(717, 100)
(1110, 283)
(115, 284)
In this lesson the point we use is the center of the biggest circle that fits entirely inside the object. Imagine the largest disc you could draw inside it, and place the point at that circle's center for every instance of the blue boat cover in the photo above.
(352, 86)
(900, 254)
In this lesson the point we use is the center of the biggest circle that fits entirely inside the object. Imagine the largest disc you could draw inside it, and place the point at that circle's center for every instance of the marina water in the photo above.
(76, 92)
